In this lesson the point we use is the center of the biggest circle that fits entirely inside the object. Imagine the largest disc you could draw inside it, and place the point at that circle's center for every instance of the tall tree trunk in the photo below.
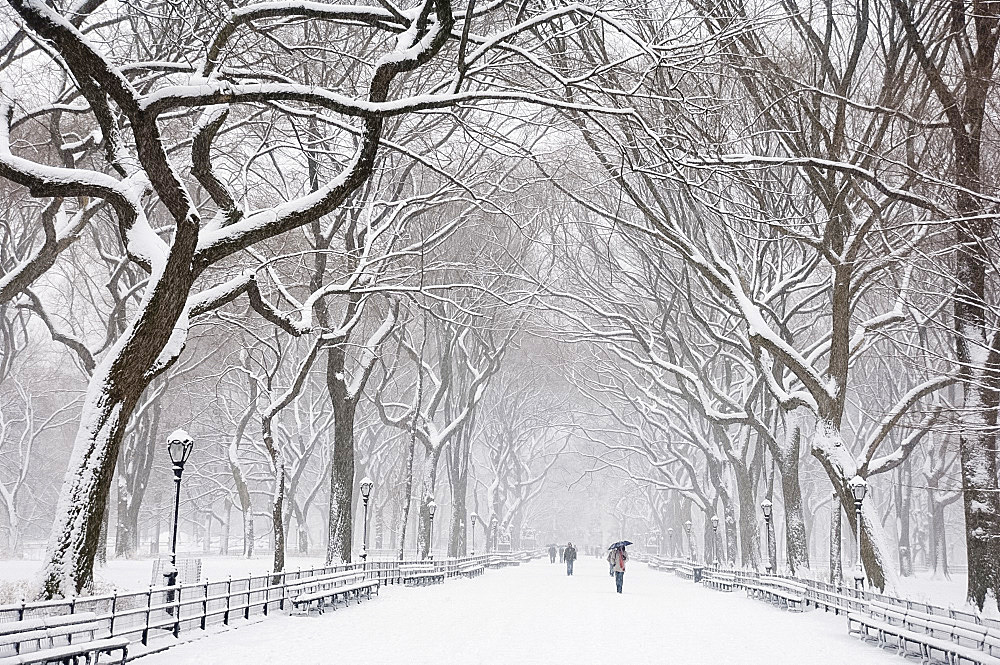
(904, 495)
(836, 533)
(340, 527)
(302, 526)
(939, 540)
(457, 541)
(749, 532)
(796, 540)
(411, 450)
(427, 489)
(224, 541)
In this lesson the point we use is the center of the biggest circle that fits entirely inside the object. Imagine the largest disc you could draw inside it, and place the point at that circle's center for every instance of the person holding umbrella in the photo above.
(617, 558)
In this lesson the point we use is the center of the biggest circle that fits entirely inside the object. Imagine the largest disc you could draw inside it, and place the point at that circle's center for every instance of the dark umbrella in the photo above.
(620, 543)
(552, 545)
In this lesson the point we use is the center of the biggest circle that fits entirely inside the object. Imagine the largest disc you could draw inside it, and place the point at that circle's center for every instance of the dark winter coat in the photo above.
(570, 554)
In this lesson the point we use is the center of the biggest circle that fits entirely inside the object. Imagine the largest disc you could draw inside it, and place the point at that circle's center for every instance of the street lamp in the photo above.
(766, 507)
(859, 488)
(715, 539)
(474, 518)
(687, 527)
(366, 491)
(431, 509)
(670, 542)
(179, 447)
(493, 532)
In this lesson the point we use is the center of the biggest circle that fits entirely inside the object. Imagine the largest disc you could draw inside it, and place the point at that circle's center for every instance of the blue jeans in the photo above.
(619, 578)
(569, 566)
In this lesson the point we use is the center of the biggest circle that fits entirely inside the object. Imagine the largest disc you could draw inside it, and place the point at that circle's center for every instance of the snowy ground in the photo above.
(536, 614)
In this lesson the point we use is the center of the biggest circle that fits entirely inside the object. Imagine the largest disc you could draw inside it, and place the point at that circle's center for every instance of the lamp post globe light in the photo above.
(179, 447)
(859, 488)
(766, 507)
(366, 492)
(670, 541)
(687, 527)
(474, 518)
(715, 539)
(431, 509)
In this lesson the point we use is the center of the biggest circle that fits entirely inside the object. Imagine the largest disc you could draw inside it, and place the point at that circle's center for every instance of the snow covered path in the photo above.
(536, 614)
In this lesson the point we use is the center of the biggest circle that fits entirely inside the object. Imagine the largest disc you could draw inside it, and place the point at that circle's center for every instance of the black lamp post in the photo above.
(715, 539)
(493, 532)
(687, 527)
(474, 518)
(766, 507)
(179, 447)
(366, 491)
(859, 488)
(431, 509)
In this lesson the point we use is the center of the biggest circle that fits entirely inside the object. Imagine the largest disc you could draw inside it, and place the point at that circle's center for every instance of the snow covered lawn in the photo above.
(536, 614)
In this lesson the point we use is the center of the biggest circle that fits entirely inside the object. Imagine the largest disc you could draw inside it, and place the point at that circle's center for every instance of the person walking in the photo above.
(562, 554)
(552, 553)
(570, 555)
(617, 558)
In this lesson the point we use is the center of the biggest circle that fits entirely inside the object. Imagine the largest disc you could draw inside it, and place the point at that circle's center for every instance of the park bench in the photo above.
(839, 603)
(783, 593)
(501, 562)
(684, 570)
(718, 580)
(420, 574)
(471, 570)
(61, 638)
(956, 640)
(315, 591)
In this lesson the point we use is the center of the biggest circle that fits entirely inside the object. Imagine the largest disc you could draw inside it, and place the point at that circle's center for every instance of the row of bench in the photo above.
(927, 635)
(83, 636)
(932, 637)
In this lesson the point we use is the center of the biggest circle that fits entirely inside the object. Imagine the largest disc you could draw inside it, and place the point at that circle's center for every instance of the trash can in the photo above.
(697, 573)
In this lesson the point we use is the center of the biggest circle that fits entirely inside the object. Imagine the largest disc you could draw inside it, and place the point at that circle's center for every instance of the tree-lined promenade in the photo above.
(536, 269)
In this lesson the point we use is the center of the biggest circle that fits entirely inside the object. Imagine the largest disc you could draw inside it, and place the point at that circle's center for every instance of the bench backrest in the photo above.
(14, 627)
(991, 640)
(322, 581)
(890, 613)
(44, 632)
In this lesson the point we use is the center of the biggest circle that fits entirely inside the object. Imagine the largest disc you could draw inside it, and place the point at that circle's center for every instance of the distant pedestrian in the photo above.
(570, 557)
(617, 558)
(562, 554)
(552, 553)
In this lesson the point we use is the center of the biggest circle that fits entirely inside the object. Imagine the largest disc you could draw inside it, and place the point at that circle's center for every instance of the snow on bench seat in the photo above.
(62, 637)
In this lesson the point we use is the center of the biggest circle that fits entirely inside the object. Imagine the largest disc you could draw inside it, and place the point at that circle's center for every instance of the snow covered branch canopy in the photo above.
(200, 133)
